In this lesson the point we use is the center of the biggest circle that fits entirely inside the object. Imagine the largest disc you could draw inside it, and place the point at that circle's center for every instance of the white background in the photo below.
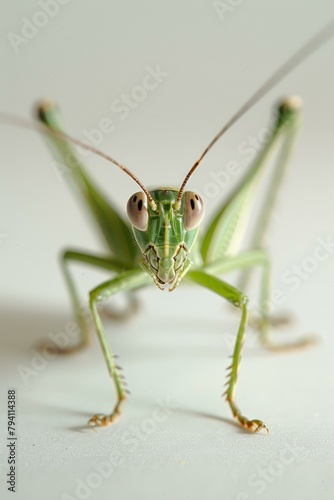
(177, 348)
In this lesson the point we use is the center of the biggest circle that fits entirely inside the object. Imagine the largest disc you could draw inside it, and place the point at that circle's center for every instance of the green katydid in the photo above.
(165, 223)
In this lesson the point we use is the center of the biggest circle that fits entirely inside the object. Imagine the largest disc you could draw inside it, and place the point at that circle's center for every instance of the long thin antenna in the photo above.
(309, 48)
(44, 129)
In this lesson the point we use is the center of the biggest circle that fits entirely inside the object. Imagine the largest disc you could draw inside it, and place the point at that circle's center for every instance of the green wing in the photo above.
(226, 228)
(116, 232)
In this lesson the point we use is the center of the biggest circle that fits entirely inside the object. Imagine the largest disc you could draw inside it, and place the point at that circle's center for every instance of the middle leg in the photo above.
(246, 261)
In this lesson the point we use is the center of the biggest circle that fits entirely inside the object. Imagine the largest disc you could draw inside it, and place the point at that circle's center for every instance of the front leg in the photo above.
(129, 280)
(238, 299)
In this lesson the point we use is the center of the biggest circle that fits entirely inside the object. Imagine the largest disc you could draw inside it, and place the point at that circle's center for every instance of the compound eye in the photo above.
(193, 210)
(136, 209)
